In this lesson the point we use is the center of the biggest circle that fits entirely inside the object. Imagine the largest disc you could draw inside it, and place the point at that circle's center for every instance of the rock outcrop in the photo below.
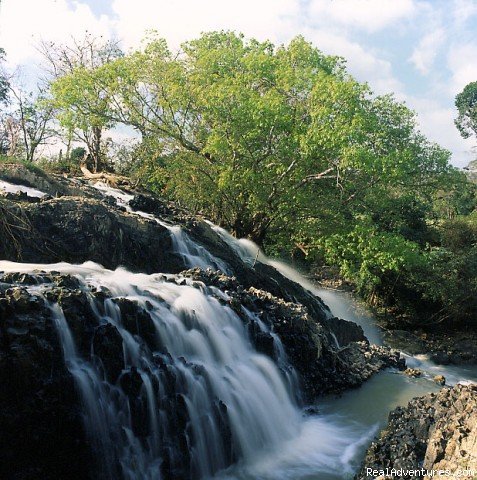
(324, 367)
(43, 435)
(434, 432)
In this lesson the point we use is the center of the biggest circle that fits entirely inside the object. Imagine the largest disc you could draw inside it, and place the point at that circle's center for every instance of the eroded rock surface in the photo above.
(435, 432)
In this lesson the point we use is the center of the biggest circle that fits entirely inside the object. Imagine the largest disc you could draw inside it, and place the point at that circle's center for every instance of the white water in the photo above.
(193, 254)
(8, 187)
(355, 416)
(205, 345)
(272, 437)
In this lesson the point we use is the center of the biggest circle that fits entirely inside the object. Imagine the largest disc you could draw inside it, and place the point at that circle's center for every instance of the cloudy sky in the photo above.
(425, 51)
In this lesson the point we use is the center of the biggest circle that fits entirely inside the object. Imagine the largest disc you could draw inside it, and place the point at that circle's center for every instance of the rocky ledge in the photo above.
(40, 412)
(324, 366)
(444, 346)
(434, 432)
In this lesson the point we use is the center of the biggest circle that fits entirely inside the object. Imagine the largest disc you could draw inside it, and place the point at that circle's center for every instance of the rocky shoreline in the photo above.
(443, 345)
(437, 432)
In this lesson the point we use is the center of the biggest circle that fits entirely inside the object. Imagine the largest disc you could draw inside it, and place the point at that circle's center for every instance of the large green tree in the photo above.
(259, 137)
(281, 144)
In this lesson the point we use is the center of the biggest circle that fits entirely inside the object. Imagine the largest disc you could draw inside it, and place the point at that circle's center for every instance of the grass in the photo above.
(19, 161)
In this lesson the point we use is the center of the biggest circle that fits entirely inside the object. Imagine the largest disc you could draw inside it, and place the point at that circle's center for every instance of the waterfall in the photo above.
(8, 187)
(193, 254)
(170, 382)
(197, 377)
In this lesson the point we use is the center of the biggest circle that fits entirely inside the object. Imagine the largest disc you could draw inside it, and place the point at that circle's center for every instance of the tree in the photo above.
(261, 138)
(33, 116)
(81, 108)
(466, 103)
(78, 58)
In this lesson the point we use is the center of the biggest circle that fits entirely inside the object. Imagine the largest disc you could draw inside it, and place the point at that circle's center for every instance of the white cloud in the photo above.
(424, 54)
(182, 20)
(364, 64)
(437, 123)
(463, 10)
(369, 15)
(461, 61)
(23, 23)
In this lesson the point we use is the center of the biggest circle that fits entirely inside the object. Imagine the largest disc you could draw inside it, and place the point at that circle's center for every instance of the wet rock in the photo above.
(322, 366)
(137, 321)
(440, 358)
(150, 204)
(345, 331)
(40, 414)
(21, 301)
(81, 229)
(413, 372)
(108, 346)
(132, 385)
(264, 343)
(405, 341)
(440, 379)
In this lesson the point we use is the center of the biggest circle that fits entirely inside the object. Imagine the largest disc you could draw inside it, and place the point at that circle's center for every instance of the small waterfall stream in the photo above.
(195, 255)
(190, 394)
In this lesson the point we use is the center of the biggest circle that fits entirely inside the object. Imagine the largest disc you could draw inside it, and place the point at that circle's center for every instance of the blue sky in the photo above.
(425, 51)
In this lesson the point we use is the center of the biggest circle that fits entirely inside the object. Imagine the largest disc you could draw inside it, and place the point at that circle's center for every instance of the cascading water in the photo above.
(233, 402)
(188, 394)
(8, 187)
(193, 254)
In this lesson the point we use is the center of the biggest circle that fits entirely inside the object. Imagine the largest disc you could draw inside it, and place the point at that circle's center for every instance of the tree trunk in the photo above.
(96, 150)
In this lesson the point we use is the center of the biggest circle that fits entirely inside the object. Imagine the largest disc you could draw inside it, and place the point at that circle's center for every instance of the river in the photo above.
(333, 443)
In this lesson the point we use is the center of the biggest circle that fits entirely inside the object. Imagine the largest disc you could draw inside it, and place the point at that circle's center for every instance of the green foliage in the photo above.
(429, 285)
(81, 104)
(366, 256)
(254, 135)
(33, 167)
(466, 103)
(282, 145)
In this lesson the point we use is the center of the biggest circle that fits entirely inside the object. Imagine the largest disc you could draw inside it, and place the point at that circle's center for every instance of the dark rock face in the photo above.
(108, 346)
(446, 346)
(345, 331)
(78, 229)
(434, 432)
(40, 419)
(41, 410)
(322, 367)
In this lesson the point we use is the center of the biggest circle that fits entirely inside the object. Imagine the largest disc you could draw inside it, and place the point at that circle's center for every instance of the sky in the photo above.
(424, 51)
